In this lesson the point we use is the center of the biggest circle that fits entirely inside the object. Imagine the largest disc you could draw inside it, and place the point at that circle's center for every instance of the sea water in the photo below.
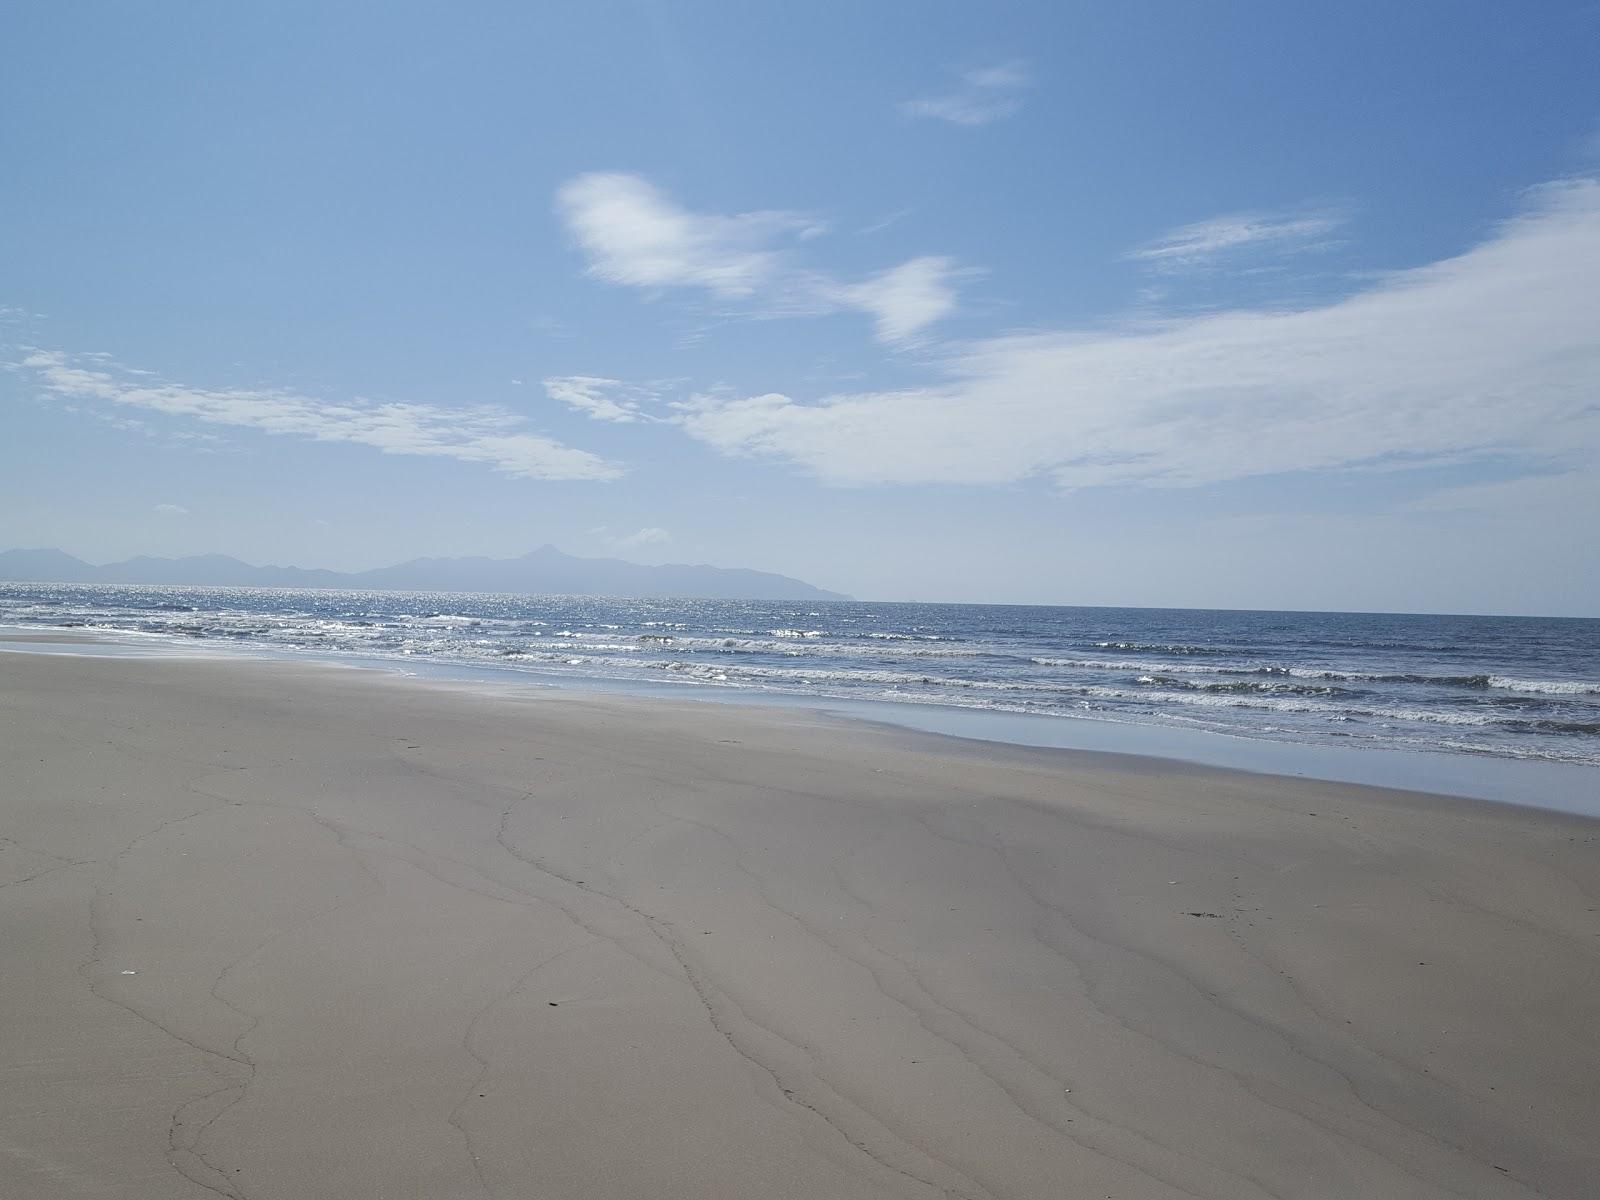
(1505, 687)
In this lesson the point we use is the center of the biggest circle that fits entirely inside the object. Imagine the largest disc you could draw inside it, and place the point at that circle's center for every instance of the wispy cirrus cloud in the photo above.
(494, 437)
(600, 398)
(635, 235)
(984, 95)
(648, 536)
(1205, 243)
(1491, 354)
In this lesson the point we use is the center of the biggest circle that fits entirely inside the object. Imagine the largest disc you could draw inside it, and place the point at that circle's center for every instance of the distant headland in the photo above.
(545, 571)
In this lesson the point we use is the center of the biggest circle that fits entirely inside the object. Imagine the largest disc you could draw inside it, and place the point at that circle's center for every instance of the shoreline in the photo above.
(287, 930)
(1523, 782)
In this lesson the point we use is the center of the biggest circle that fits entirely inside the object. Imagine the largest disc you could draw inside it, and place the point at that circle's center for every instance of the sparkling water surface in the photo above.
(1512, 687)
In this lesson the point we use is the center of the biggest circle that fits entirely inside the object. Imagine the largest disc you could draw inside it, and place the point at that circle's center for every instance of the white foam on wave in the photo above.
(1148, 667)
(1053, 693)
(1332, 711)
(797, 648)
(1142, 666)
(848, 675)
(568, 647)
(1546, 687)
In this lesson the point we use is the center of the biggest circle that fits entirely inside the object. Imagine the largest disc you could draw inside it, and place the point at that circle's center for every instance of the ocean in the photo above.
(1506, 687)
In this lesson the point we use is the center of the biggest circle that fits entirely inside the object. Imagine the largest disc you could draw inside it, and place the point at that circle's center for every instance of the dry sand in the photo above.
(274, 931)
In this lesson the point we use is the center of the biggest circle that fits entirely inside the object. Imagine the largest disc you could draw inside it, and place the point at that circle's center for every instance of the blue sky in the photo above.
(1241, 305)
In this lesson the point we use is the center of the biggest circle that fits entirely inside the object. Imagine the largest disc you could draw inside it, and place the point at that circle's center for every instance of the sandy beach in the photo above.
(275, 930)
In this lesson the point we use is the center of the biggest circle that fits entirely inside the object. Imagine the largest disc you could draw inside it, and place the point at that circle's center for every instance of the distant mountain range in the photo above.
(545, 571)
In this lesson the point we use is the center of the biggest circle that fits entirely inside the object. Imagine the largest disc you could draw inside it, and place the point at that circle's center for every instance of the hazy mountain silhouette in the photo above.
(545, 571)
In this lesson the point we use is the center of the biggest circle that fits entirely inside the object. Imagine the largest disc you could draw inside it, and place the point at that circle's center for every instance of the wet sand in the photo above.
(289, 931)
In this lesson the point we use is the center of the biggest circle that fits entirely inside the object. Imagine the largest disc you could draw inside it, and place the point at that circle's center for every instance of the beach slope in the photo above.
(275, 930)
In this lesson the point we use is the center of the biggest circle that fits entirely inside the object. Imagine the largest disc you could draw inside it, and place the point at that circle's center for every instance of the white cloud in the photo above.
(171, 510)
(906, 299)
(599, 398)
(1203, 242)
(649, 536)
(1493, 353)
(635, 235)
(985, 95)
(490, 436)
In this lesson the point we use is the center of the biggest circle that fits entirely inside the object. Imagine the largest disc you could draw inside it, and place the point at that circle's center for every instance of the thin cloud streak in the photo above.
(634, 235)
(1492, 353)
(986, 94)
(1203, 242)
(490, 436)
(599, 398)
(649, 536)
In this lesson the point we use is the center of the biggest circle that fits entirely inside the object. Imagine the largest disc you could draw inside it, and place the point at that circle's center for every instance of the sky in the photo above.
(1243, 305)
